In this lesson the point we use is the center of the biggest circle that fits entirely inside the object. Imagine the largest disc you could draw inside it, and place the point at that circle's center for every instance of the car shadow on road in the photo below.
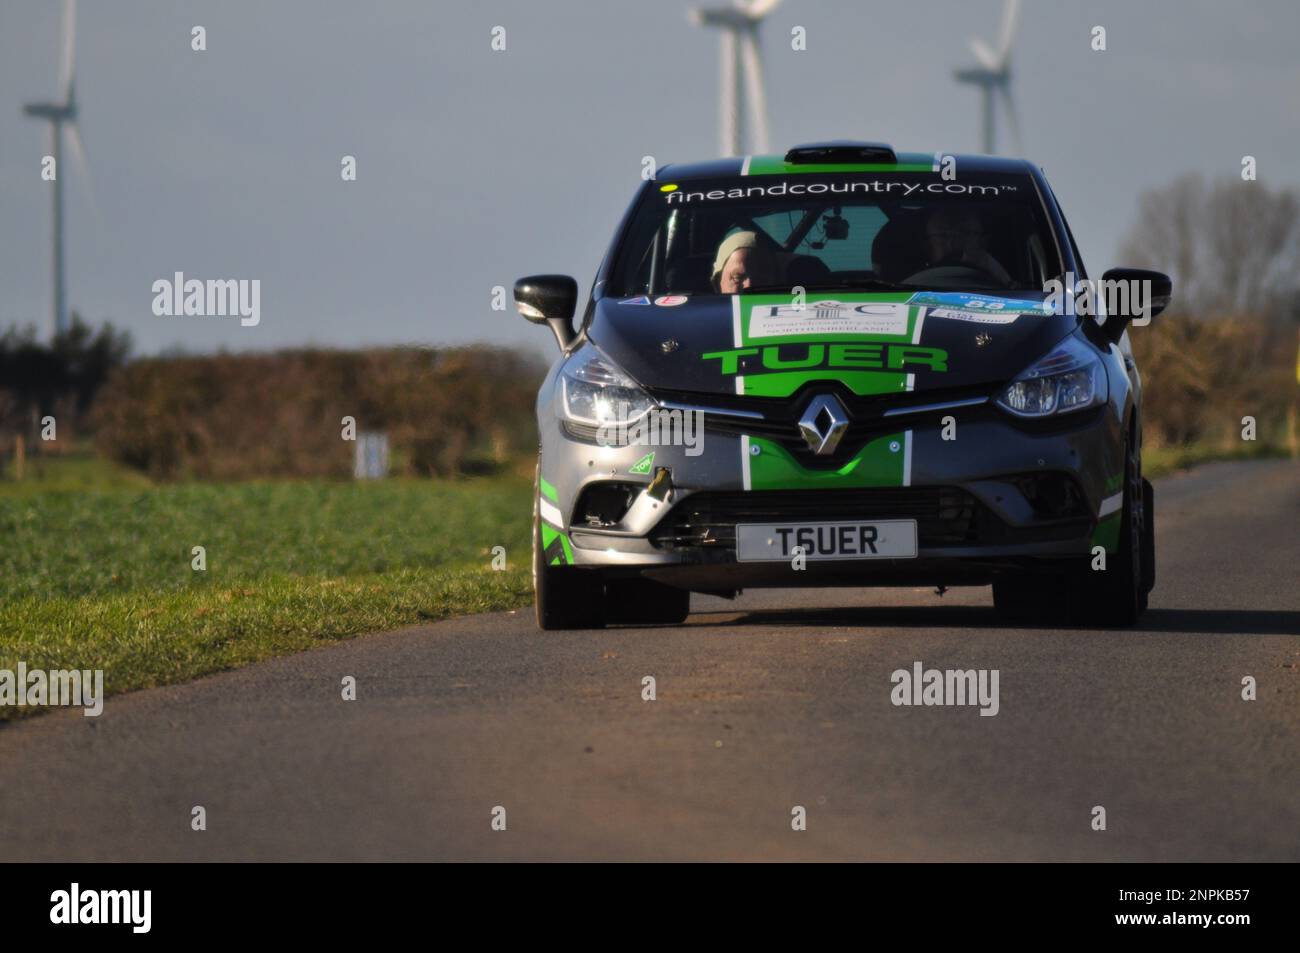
(1188, 621)
(1222, 621)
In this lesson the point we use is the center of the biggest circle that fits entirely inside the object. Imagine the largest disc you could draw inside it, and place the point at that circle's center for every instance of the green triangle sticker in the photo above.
(644, 464)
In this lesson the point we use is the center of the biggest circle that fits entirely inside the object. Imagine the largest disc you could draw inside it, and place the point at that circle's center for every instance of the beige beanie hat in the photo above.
(733, 242)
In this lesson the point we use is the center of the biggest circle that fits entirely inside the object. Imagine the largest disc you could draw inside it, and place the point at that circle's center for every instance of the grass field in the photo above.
(102, 578)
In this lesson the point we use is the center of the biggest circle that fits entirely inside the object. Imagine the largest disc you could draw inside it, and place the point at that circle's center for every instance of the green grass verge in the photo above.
(1161, 461)
(103, 578)
(81, 470)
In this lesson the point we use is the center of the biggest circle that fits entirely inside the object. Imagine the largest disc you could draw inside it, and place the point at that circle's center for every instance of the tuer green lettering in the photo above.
(813, 357)
(932, 357)
(864, 354)
(730, 359)
(855, 355)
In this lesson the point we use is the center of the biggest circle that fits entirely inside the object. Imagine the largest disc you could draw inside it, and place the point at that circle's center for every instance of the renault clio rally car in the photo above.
(880, 391)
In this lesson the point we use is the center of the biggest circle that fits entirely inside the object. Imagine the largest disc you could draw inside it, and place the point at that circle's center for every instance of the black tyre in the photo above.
(645, 602)
(1117, 595)
(565, 597)
(1148, 536)
(1031, 599)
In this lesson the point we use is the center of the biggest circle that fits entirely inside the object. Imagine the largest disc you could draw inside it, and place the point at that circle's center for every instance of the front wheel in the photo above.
(564, 597)
(1117, 595)
(571, 597)
(645, 602)
(1034, 599)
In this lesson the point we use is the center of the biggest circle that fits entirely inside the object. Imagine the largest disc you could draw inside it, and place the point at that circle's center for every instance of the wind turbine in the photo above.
(60, 115)
(742, 72)
(993, 75)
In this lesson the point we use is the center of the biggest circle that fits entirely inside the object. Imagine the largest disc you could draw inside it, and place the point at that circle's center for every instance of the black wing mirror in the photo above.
(551, 300)
(1136, 293)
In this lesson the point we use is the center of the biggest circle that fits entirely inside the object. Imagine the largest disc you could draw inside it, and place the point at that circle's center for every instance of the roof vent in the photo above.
(841, 151)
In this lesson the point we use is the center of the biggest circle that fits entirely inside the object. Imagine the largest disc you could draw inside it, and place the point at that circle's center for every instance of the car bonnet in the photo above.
(767, 345)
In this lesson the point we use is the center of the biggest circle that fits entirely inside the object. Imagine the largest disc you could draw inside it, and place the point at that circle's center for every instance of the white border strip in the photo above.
(916, 339)
(744, 166)
(746, 482)
(1110, 505)
(736, 336)
(920, 320)
(550, 512)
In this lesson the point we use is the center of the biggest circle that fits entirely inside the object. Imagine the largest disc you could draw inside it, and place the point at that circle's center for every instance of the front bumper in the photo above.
(1003, 497)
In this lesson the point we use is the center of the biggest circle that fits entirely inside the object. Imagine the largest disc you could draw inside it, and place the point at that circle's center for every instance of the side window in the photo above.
(1037, 261)
(1074, 247)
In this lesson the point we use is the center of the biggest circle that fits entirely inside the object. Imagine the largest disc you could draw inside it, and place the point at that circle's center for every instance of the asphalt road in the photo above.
(776, 700)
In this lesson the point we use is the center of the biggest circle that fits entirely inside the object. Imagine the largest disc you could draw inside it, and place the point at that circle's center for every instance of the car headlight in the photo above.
(596, 392)
(1070, 377)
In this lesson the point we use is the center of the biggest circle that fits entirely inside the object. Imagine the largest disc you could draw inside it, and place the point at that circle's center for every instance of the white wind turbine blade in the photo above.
(729, 128)
(78, 150)
(757, 9)
(754, 89)
(987, 58)
(1009, 107)
(1010, 14)
(67, 64)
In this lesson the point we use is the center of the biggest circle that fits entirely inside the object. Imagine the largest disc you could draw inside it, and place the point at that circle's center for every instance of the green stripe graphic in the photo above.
(1106, 534)
(819, 350)
(879, 463)
(772, 381)
(561, 555)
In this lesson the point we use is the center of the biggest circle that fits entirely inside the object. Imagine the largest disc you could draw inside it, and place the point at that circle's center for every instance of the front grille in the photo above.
(867, 419)
(945, 516)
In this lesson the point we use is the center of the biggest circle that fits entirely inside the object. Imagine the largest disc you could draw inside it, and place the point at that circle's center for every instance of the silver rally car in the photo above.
(841, 367)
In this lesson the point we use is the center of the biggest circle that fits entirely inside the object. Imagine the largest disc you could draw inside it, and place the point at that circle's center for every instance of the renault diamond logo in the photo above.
(823, 424)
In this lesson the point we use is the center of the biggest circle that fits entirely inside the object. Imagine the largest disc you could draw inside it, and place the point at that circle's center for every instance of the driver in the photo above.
(955, 236)
(741, 263)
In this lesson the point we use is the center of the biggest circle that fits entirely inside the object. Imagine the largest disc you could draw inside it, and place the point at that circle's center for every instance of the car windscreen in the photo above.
(851, 231)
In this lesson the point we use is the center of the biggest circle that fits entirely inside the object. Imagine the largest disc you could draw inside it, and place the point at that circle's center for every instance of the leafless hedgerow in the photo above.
(1226, 347)
(239, 416)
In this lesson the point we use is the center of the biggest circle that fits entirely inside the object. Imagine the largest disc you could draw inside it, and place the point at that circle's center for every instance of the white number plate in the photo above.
(876, 539)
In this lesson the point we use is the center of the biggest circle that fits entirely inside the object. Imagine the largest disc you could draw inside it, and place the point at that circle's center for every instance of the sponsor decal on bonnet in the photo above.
(983, 304)
(985, 317)
(827, 317)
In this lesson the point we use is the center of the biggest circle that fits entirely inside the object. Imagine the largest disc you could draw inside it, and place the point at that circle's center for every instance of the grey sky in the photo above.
(476, 167)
